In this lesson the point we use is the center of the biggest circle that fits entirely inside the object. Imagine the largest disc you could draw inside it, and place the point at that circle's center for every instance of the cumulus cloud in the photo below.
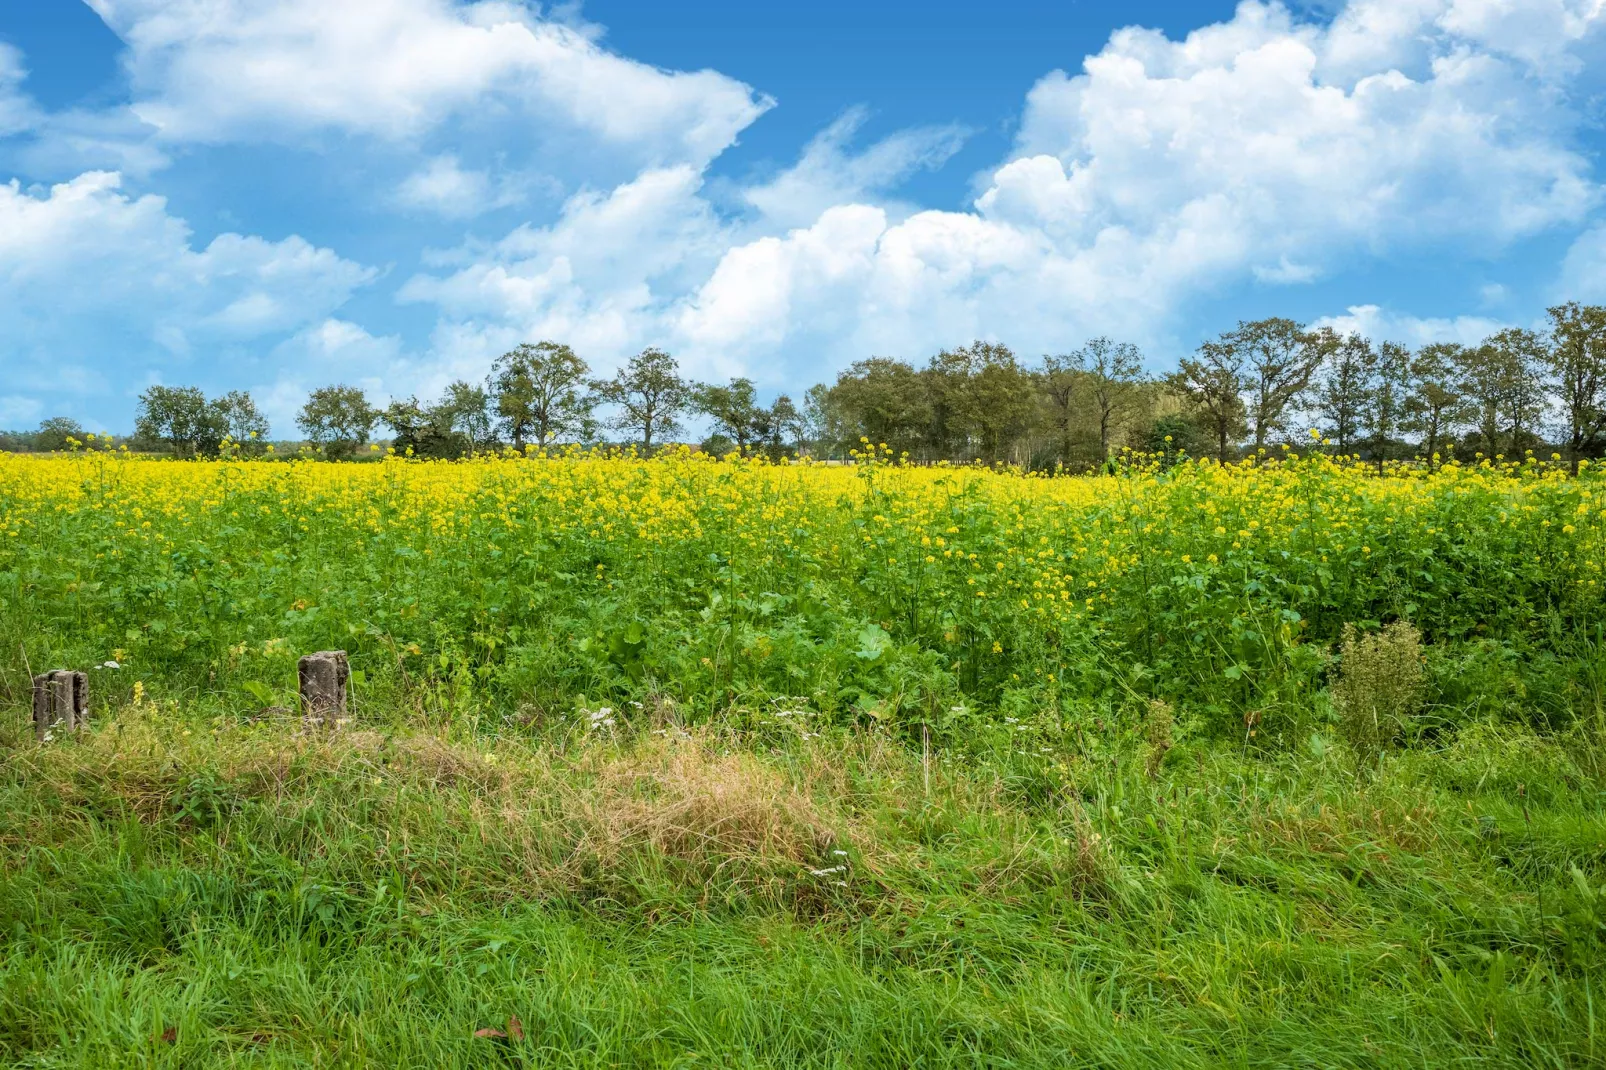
(1379, 324)
(227, 70)
(1583, 271)
(87, 270)
(445, 188)
(829, 173)
(17, 112)
(1238, 119)
(1261, 150)
(602, 276)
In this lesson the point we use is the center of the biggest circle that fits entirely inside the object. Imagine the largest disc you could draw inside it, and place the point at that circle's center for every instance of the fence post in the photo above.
(60, 699)
(80, 699)
(323, 679)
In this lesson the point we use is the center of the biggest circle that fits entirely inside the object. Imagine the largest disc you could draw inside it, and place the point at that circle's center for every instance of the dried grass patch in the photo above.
(716, 814)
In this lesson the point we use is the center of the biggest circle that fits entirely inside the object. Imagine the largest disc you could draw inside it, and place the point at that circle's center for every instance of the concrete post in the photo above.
(323, 687)
(60, 700)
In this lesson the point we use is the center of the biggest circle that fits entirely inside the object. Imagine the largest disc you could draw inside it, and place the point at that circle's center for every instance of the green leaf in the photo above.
(873, 642)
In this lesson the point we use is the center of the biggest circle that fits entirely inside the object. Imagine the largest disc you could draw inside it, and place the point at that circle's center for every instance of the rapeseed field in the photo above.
(680, 760)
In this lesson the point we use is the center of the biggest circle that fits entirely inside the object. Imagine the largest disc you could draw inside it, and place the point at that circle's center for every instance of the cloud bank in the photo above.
(1263, 151)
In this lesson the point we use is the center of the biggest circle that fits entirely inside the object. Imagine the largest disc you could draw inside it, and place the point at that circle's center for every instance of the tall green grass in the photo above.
(181, 887)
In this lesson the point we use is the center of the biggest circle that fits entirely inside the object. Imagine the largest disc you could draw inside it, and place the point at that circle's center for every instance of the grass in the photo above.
(185, 886)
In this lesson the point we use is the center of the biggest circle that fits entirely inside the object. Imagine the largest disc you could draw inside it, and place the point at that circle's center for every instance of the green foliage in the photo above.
(337, 419)
(541, 394)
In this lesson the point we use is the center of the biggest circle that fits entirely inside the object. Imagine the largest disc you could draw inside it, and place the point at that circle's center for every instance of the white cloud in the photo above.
(828, 174)
(1259, 150)
(84, 267)
(19, 411)
(444, 188)
(230, 70)
(1583, 271)
(1382, 325)
(17, 111)
(1238, 117)
(601, 277)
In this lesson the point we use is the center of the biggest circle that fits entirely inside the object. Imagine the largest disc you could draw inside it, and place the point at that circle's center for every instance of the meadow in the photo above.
(678, 761)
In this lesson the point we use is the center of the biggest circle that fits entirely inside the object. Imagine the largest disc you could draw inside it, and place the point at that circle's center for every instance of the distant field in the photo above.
(682, 762)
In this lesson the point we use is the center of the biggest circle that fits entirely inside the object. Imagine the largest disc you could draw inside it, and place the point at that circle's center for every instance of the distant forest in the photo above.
(1265, 384)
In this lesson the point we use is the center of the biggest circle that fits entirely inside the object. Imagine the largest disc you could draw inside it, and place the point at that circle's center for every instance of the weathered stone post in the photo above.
(60, 700)
(323, 687)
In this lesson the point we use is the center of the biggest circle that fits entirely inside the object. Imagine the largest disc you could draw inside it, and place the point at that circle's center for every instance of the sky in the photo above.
(276, 195)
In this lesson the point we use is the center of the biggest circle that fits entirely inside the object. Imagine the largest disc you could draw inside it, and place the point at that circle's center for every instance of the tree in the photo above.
(879, 399)
(650, 395)
(1341, 395)
(786, 426)
(181, 417)
(1114, 371)
(818, 424)
(1213, 384)
(1576, 360)
(981, 401)
(1001, 400)
(541, 393)
(466, 410)
(948, 406)
(1060, 382)
(241, 419)
(734, 411)
(1280, 357)
(53, 434)
(337, 419)
(1434, 403)
(1385, 399)
(1504, 391)
(419, 430)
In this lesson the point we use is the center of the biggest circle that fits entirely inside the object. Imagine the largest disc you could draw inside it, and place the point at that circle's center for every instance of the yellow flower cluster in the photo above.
(990, 572)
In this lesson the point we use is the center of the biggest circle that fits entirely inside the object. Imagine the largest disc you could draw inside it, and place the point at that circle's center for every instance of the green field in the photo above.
(849, 813)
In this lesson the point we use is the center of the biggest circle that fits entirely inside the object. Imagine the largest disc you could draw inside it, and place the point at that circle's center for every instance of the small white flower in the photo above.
(108, 665)
(828, 871)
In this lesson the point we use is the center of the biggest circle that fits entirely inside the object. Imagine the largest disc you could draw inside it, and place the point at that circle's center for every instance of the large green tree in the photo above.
(1386, 397)
(1212, 382)
(881, 400)
(1114, 372)
(1435, 404)
(1280, 358)
(1502, 382)
(181, 417)
(980, 401)
(337, 419)
(242, 420)
(1576, 361)
(1061, 383)
(1341, 392)
(541, 393)
(57, 433)
(648, 395)
(733, 410)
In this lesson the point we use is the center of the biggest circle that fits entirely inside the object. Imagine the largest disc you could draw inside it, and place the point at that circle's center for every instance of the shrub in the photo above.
(1379, 687)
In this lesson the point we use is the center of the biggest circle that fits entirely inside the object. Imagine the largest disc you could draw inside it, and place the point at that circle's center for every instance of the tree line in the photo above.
(1246, 391)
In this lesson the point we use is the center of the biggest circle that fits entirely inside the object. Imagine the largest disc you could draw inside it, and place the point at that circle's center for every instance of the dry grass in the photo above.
(684, 805)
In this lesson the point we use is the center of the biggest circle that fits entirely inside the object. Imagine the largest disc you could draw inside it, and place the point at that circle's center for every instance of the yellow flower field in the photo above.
(870, 587)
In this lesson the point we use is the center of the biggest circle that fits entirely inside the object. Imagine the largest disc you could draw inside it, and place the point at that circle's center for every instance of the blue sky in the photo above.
(278, 194)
